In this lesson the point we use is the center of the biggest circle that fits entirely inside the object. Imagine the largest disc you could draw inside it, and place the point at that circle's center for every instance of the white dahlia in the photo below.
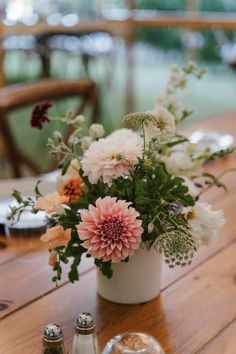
(112, 157)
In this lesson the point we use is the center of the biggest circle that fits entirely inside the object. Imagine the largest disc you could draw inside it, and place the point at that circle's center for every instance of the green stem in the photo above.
(212, 184)
(144, 140)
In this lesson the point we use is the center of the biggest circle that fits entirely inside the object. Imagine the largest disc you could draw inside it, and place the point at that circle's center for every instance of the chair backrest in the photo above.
(20, 95)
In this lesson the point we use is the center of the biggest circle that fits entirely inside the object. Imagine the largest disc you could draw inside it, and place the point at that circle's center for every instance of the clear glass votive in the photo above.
(133, 343)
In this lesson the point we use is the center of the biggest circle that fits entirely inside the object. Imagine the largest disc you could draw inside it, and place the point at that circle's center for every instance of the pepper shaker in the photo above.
(53, 340)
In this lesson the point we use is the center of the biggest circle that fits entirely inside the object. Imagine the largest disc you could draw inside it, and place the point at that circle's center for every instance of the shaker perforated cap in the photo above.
(84, 323)
(52, 332)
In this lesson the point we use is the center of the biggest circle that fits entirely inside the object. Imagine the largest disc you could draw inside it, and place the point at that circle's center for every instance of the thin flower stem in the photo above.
(144, 140)
(226, 171)
(212, 184)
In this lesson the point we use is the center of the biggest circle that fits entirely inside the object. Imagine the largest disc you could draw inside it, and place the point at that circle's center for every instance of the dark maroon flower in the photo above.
(39, 115)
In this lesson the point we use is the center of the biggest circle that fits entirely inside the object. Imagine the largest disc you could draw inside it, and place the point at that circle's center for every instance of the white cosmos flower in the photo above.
(204, 222)
(112, 157)
(163, 127)
(180, 160)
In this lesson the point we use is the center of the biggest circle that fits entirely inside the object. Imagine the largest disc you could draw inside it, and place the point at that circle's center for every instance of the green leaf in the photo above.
(173, 143)
(73, 275)
(65, 167)
(36, 189)
(17, 195)
(105, 267)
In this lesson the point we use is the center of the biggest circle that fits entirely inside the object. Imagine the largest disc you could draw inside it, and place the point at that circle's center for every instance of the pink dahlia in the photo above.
(110, 230)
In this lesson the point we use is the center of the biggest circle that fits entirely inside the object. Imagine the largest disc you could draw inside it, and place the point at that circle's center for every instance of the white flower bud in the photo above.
(57, 135)
(79, 119)
(73, 140)
(150, 227)
(96, 131)
(175, 68)
(85, 142)
(70, 114)
(191, 65)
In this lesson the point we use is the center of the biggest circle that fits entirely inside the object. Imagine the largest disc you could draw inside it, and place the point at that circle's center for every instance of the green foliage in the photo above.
(220, 153)
(36, 190)
(22, 204)
(73, 273)
(105, 267)
(168, 38)
(65, 167)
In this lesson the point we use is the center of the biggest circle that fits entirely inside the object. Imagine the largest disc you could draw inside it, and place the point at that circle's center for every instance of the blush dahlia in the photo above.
(110, 230)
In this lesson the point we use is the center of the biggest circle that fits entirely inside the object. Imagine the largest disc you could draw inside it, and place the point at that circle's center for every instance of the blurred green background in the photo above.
(153, 53)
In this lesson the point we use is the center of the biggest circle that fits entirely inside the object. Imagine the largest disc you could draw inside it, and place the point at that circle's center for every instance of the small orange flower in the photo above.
(56, 236)
(52, 202)
(72, 188)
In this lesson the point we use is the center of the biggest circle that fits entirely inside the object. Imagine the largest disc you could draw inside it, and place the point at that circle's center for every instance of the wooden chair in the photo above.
(19, 95)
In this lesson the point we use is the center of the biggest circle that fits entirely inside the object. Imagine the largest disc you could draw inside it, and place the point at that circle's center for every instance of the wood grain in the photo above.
(190, 312)
(19, 246)
(61, 306)
(35, 275)
(223, 343)
(185, 317)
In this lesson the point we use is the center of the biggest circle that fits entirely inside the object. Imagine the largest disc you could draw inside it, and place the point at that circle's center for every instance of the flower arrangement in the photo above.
(136, 187)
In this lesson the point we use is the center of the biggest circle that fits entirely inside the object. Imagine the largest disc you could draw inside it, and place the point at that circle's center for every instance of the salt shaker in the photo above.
(85, 338)
(53, 341)
(133, 343)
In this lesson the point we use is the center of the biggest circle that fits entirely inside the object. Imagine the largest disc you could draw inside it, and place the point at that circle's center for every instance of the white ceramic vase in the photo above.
(136, 281)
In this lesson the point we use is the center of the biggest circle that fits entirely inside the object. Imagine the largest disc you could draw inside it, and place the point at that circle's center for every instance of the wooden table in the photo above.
(195, 313)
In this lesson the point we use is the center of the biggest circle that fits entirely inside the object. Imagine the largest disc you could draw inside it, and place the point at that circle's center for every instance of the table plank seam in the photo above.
(18, 255)
(215, 336)
(215, 253)
(212, 255)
